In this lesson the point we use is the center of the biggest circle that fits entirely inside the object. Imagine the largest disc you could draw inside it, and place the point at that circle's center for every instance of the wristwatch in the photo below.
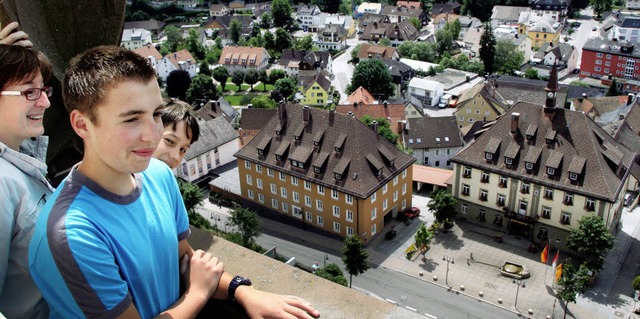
(236, 282)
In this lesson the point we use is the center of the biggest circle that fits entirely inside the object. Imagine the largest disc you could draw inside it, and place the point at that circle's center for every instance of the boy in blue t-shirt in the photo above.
(109, 240)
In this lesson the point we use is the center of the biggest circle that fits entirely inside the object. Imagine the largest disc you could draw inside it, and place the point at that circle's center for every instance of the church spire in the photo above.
(551, 89)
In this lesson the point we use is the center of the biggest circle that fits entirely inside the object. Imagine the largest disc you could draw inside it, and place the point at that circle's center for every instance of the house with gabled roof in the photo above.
(563, 55)
(506, 15)
(332, 37)
(400, 13)
(215, 147)
(152, 25)
(539, 29)
(150, 53)
(135, 38)
(434, 140)
(392, 112)
(305, 14)
(374, 51)
(243, 58)
(218, 9)
(538, 170)
(293, 61)
(478, 104)
(451, 7)
(555, 9)
(251, 122)
(396, 32)
(360, 95)
(326, 170)
(218, 108)
(180, 60)
(316, 89)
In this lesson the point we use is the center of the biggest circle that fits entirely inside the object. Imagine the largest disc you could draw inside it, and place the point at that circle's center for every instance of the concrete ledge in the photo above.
(332, 300)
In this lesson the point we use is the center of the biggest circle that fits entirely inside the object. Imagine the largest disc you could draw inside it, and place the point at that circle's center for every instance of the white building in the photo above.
(135, 38)
(425, 92)
(181, 60)
(627, 28)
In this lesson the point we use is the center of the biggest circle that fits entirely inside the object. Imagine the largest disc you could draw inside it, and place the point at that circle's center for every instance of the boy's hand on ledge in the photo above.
(265, 305)
(11, 35)
(204, 273)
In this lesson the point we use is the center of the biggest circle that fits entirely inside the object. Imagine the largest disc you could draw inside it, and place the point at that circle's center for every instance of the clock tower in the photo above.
(551, 90)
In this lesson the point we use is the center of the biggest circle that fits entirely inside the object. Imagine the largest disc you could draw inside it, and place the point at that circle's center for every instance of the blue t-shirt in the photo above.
(94, 252)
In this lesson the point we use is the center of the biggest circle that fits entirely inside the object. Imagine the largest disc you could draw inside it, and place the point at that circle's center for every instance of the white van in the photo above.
(444, 101)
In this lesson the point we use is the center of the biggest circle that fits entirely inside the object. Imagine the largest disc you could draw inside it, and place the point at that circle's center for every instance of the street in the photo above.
(343, 70)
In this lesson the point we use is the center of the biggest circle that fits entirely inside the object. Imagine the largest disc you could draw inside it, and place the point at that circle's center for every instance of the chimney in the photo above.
(385, 104)
(306, 113)
(630, 98)
(350, 113)
(355, 104)
(282, 110)
(515, 117)
(468, 77)
(374, 126)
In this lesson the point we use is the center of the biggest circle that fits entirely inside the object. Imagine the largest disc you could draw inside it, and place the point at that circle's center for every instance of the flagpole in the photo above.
(545, 262)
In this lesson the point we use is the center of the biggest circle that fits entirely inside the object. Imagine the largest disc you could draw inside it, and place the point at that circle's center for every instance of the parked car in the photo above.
(412, 212)
(629, 197)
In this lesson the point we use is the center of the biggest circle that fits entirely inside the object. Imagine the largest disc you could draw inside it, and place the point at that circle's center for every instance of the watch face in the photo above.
(550, 94)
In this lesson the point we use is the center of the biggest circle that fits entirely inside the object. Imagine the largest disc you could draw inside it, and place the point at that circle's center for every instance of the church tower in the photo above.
(551, 89)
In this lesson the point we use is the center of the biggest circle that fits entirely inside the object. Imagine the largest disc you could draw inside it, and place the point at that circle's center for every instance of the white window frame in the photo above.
(274, 189)
(336, 227)
(319, 205)
(307, 201)
(374, 213)
(283, 192)
(259, 183)
(250, 193)
(259, 168)
(260, 198)
(296, 197)
(320, 189)
(349, 215)
(320, 220)
(336, 211)
(335, 194)
(249, 180)
(348, 199)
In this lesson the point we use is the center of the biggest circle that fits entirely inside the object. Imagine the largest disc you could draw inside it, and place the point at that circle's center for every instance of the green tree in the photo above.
(174, 38)
(507, 59)
(221, 74)
(139, 16)
(354, 54)
(283, 40)
(416, 23)
(178, 82)
(636, 283)
(382, 88)
(205, 69)
(354, 257)
(423, 240)
(235, 30)
(266, 20)
(237, 77)
(306, 43)
(247, 223)
(251, 77)
(480, 9)
(192, 197)
(329, 6)
(202, 88)
(345, 8)
(601, 6)
(257, 41)
(422, 51)
(384, 128)
(212, 55)
(263, 77)
(579, 83)
(281, 13)
(385, 42)
(194, 46)
(591, 240)
(488, 49)
(444, 40)
(613, 89)
(276, 75)
(269, 40)
(571, 283)
(333, 273)
(263, 102)
(287, 87)
(531, 74)
(443, 206)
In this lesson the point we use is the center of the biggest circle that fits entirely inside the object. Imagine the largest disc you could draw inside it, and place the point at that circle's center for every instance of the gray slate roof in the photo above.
(580, 146)
(213, 133)
(362, 148)
(255, 119)
(434, 132)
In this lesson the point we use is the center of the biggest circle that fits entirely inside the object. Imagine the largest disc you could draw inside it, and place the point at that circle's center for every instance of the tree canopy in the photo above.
(192, 197)
(202, 88)
(384, 128)
(443, 205)
(281, 13)
(354, 257)
(423, 239)
(263, 102)
(237, 77)
(247, 223)
(287, 87)
(507, 59)
(235, 30)
(601, 6)
(221, 74)
(488, 49)
(178, 82)
(422, 51)
(251, 77)
(382, 88)
(591, 240)
(572, 282)
(333, 273)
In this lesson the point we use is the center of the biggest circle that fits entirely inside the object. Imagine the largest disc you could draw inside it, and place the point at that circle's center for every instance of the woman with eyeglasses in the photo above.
(23, 186)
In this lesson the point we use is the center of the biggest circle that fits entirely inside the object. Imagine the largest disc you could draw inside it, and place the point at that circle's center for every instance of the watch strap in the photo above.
(236, 282)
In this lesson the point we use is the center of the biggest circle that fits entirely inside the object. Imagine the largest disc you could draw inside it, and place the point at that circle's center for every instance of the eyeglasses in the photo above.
(30, 94)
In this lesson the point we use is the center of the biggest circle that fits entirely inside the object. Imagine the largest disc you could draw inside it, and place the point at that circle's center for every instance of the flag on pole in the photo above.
(544, 257)
(555, 259)
(558, 272)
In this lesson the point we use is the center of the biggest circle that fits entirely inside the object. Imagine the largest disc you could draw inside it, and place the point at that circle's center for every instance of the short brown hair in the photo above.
(175, 111)
(93, 72)
(18, 63)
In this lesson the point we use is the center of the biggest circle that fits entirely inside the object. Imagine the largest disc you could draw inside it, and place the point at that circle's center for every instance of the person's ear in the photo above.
(80, 123)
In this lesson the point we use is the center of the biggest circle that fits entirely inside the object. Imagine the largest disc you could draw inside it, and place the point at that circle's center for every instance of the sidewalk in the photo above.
(477, 259)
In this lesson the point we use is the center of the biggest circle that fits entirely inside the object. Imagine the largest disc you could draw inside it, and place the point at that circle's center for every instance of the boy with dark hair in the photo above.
(109, 241)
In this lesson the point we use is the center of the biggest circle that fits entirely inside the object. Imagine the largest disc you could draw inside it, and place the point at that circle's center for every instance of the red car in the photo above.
(412, 212)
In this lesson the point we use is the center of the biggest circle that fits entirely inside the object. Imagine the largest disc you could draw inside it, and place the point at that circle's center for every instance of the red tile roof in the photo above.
(360, 95)
(392, 112)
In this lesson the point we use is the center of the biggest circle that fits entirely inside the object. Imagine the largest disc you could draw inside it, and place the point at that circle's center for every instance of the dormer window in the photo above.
(508, 160)
(261, 152)
(528, 166)
(317, 170)
(278, 157)
(488, 156)
(278, 132)
(379, 172)
(551, 171)
(573, 176)
(337, 176)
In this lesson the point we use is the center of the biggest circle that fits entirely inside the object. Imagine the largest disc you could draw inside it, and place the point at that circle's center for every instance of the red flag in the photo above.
(544, 257)
(558, 272)
(555, 259)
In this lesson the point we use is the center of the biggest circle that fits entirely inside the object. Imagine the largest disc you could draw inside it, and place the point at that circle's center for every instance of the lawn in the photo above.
(233, 99)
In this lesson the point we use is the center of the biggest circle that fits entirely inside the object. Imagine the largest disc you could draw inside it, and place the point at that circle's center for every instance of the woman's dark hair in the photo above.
(18, 64)
(175, 111)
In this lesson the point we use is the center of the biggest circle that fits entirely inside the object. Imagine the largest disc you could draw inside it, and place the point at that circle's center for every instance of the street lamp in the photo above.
(518, 282)
(326, 257)
(448, 259)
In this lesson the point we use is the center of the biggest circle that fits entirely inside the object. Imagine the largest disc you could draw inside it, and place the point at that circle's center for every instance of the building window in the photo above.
(528, 166)
(566, 218)
(543, 234)
(501, 200)
(466, 173)
(497, 221)
(464, 209)
(336, 211)
(270, 172)
(249, 180)
(385, 204)
(334, 194)
(503, 182)
(508, 160)
(307, 185)
(296, 211)
(404, 174)
(285, 207)
(261, 198)
(573, 176)
(320, 189)
(296, 197)
(373, 197)
(404, 188)
(348, 199)
(282, 176)
(336, 227)
(283, 192)
(274, 188)
(590, 204)
(250, 193)
(258, 168)
(598, 55)
(384, 189)
(546, 212)
(485, 177)
(307, 201)
(259, 182)
(484, 194)
(274, 203)
(319, 205)
(488, 156)
(309, 216)
(247, 164)
(404, 203)
(373, 229)
(320, 220)
(294, 180)
(568, 199)
(349, 231)
(548, 193)
(374, 213)
(395, 196)
(525, 188)
(465, 189)
(349, 215)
